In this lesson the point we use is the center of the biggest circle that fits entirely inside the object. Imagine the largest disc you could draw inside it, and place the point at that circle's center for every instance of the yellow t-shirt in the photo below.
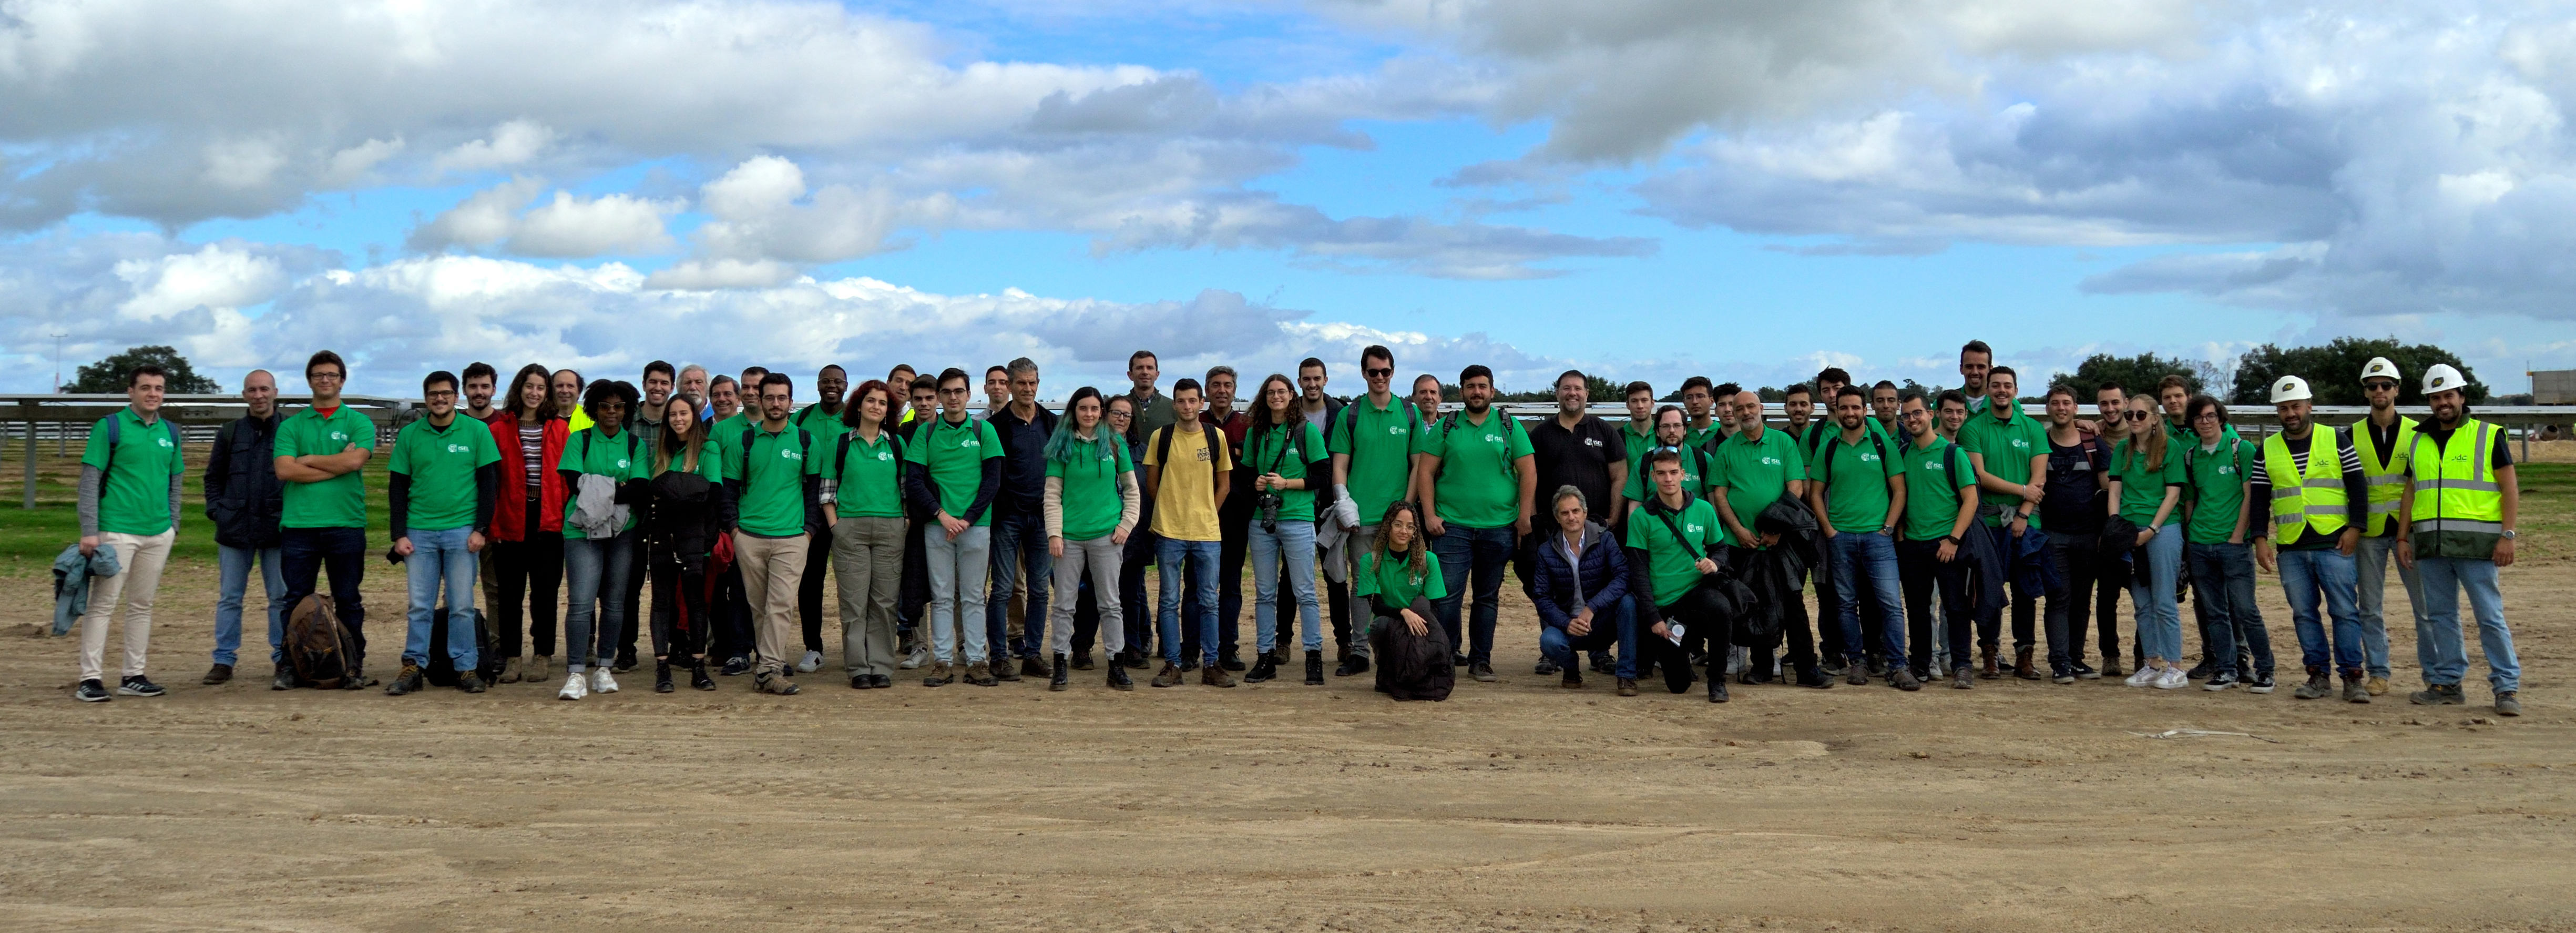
(1185, 495)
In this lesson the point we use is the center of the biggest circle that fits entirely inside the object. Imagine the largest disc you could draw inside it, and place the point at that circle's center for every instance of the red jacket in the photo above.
(510, 515)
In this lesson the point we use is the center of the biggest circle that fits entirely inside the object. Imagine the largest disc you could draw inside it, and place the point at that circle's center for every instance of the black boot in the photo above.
(1118, 678)
(1262, 670)
(698, 679)
(1355, 664)
(1314, 668)
(1061, 677)
(1717, 685)
(662, 676)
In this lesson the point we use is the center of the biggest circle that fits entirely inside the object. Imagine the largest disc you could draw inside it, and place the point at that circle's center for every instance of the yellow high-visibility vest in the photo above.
(2387, 484)
(2303, 500)
(2459, 504)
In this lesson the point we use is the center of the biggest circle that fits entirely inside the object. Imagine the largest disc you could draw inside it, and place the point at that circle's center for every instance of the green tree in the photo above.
(108, 375)
(2333, 371)
(1598, 388)
(2137, 374)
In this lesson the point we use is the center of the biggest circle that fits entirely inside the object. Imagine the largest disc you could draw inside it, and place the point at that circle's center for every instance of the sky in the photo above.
(1643, 189)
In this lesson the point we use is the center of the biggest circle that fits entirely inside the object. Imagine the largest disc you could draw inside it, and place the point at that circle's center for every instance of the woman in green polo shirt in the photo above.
(679, 523)
(1282, 449)
(1091, 503)
(604, 467)
(863, 501)
(1398, 579)
(2147, 479)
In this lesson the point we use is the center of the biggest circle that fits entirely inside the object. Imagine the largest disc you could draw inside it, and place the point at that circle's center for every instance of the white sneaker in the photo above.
(2144, 677)
(812, 661)
(916, 659)
(600, 682)
(2173, 678)
(575, 687)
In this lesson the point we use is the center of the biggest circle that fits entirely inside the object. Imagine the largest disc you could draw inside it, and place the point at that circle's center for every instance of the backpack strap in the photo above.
(115, 427)
(1163, 448)
(746, 455)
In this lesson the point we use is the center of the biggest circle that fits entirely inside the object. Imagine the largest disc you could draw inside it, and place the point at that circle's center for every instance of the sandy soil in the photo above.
(1514, 806)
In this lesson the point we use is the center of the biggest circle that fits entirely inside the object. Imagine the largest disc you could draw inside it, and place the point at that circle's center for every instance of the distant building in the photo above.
(2553, 387)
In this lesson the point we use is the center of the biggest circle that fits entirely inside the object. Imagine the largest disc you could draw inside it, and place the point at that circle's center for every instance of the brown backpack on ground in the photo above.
(317, 646)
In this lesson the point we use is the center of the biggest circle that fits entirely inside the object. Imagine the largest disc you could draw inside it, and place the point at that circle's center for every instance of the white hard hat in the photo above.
(2380, 368)
(2443, 378)
(2290, 389)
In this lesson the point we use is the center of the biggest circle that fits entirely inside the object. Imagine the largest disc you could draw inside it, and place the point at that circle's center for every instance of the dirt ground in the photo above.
(1514, 806)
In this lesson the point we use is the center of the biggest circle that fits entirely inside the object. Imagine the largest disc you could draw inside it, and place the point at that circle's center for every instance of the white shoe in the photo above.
(2173, 678)
(813, 660)
(600, 682)
(2144, 677)
(575, 687)
(916, 659)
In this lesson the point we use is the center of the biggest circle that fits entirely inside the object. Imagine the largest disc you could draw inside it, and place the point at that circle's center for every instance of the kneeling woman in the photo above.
(1091, 507)
(1399, 580)
(680, 509)
(1669, 543)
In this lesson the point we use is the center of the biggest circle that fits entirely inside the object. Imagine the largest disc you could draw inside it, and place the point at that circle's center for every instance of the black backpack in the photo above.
(441, 671)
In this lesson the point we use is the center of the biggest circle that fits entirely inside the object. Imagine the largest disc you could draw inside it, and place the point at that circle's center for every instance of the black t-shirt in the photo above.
(1579, 458)
(2075, 487)
(2384, 441)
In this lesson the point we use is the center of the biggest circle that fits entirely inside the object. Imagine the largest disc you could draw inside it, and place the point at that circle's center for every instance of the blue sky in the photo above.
(1642, 188)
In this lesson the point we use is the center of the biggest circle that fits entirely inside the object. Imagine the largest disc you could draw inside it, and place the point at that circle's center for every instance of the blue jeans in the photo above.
(1169, 554)
(2438, 645)
(2370, 578)
(2324, 576)
(306, 555)
(1297, 539)
(236, 563)
(1869, 558)
(1019, 538)
(2151, 593)
(1481, 553)
(1618, 625)
(595, 579)
(2222, 577)
(440, 557)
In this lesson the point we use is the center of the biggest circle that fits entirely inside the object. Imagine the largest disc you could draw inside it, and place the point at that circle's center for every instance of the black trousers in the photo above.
(679, 605)
(913, 597)
(809, 588)
(1131, 592)
(1675, 659)
(306, 554)
(1795, 629)
(531, 578)
(730, 611)
(1918, 567)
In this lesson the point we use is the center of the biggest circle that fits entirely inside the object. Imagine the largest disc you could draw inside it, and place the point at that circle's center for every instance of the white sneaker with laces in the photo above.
(812, 661)
(2173, 678)
(916, 659)
(576, 686)
(2143, 676)
(600, 682)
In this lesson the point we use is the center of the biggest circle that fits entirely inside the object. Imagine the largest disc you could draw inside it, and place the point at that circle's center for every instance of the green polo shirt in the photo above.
(1933, 477)
(868, 480)
(592, 452)
(725, 438)
(134, 498)
(1673, 563)
(818, 422)
(773, 482)
(2007, 447)
(1855, 478)
(1638, 444)
(1698, 474)
(338, 502)
(1702, 438)
(2216, 490)
(1277, 450)
(1478, 486)
(1381, 443)
(441, 463)
(1756, 473)
(1090, 471)
(955, 454)
(2143, 489)
(1394, 584)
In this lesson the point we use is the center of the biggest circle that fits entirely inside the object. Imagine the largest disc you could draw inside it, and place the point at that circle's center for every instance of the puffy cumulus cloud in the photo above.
(567, 226)
(106, 292)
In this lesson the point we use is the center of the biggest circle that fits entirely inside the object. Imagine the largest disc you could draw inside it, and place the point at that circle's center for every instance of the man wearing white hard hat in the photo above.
(2382, 439)
(2460, 508)
(2310, 501)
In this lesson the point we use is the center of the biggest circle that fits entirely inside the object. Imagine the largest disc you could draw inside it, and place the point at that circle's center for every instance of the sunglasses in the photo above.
(1378, 373)
(2140, 416)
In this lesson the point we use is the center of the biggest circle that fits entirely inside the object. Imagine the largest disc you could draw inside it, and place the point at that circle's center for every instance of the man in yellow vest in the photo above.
(2382, 439)
(2460, 509)
(2310, 498)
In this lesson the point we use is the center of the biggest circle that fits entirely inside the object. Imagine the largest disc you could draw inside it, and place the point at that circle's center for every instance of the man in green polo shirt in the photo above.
(957, 470)
(1858, 486)
(1671, 544)
(1753, 469)
(1482, 491)
(1698, 467)
(321, 452)
(2009, 449)
(129, 503)
(445, 474)
(1372, 444)
(1940, 508)
(776, 481)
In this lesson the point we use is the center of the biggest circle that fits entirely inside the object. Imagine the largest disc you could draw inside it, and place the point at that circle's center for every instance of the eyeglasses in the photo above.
(2140, 415)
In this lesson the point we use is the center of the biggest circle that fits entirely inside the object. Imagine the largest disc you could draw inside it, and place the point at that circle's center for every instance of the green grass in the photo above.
(29, 538)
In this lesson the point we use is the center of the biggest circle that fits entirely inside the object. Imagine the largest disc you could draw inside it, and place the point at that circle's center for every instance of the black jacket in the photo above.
(681, 517)
(1777, 575)
(243, 495)
(1603, 575)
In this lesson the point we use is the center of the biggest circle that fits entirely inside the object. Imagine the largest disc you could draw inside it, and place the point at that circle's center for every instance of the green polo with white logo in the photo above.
(338, 502)
(1756, 473)
(1478, 486)
(134, 497)
(441, 463)
(2006, 446)
(773, 483)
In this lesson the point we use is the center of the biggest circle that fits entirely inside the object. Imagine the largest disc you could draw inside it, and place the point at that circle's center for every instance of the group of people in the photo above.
(987, 542)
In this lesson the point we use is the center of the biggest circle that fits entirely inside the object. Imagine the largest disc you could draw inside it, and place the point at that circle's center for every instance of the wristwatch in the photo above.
(2508, 534)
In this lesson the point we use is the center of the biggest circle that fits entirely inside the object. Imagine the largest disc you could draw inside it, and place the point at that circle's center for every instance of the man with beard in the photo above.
(1481, 483)
(2311, 500)
(1576, 449)
(1373, 444)
(2460, 510)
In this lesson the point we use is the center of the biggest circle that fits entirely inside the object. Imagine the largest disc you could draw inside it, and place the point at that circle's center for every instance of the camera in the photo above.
(1268, 502)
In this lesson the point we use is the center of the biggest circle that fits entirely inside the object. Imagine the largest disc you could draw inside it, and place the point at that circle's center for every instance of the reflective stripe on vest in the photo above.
(2456, 489)
(2317, 499)
(2387, 484)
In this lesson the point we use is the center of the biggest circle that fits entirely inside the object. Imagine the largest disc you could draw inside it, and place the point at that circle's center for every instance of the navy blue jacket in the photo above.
(1603, 572)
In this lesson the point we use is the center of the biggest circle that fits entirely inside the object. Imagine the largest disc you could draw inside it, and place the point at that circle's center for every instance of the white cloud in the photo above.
(511, 144)
(216, 276)
(567, 226)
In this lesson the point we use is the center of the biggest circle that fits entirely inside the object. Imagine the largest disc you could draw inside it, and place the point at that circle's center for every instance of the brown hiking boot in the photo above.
(509, 672)
(1986, 668)
(941, 675)
(2021, 664)
(983, 675)
(217, 674)
(778, 684)
(1169, 676)
(1031, 667)
(1214, 675)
